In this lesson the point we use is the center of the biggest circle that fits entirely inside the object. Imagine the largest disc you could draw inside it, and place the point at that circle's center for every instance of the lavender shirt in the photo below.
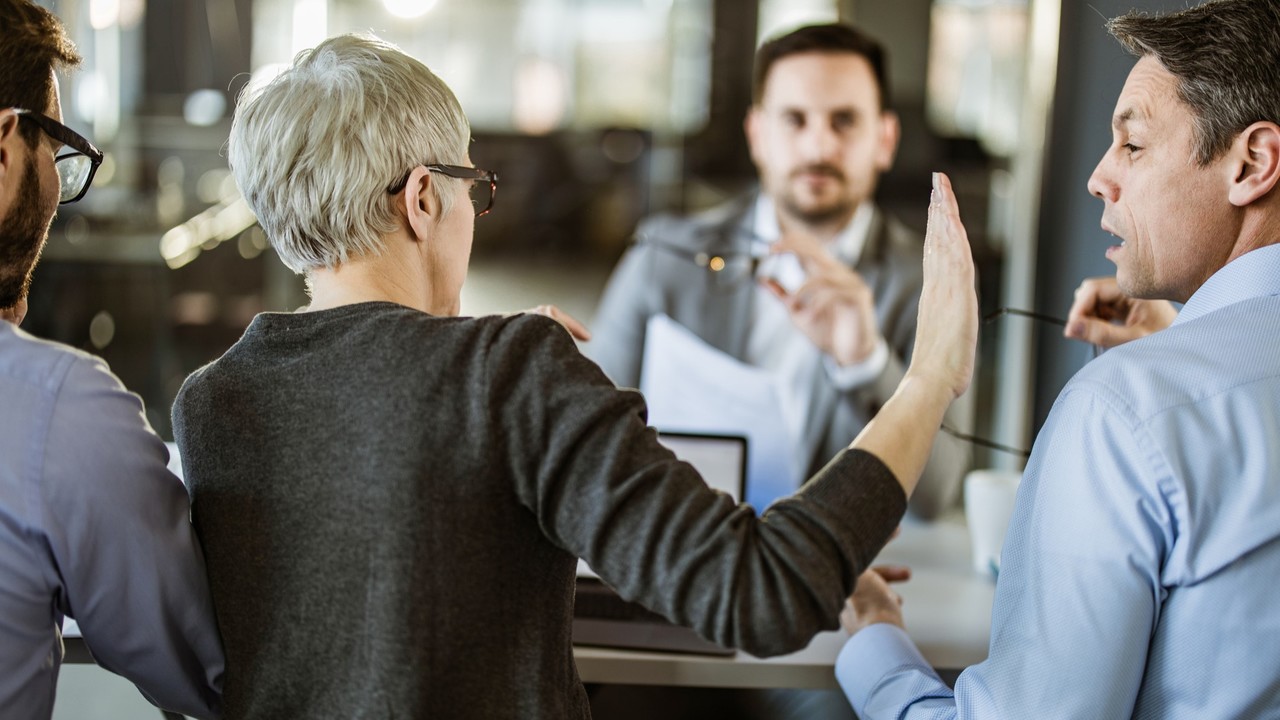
(94, 527)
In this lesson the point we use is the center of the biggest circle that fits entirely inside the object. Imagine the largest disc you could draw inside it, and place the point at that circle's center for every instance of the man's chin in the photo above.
(1138, 288)
(819, 212)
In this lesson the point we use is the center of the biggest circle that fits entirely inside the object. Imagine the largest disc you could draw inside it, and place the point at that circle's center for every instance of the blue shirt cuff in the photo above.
(870, 657)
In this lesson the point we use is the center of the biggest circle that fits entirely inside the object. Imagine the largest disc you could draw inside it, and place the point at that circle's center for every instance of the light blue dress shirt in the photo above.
(94, 527)
(1141, 567)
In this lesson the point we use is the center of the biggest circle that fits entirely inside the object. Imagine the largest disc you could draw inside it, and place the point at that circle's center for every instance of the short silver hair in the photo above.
(1224, 54)
(315, 150)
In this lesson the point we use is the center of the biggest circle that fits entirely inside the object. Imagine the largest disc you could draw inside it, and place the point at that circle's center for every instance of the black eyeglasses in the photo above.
(483, 190)
(1004, 312)
(75, 169)
(728, 269)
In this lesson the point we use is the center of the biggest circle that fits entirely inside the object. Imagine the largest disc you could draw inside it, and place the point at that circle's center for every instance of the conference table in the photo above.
(946, 606)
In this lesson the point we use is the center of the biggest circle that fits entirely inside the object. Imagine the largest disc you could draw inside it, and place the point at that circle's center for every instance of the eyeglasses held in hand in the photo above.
(1002, 312)
(484, 186)
(75, 169)
(728, 269)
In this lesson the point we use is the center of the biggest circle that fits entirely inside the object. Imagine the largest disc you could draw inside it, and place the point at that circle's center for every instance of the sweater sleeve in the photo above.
(603, 488)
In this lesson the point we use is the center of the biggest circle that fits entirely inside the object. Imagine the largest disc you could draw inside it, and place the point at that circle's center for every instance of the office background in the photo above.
(594, 112)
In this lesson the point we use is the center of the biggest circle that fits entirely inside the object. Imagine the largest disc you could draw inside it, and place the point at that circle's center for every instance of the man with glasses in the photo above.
(805, 278)
(1138, 575)
(92, 524)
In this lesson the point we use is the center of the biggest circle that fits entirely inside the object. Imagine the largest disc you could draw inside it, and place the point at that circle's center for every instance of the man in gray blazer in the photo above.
(804, 277)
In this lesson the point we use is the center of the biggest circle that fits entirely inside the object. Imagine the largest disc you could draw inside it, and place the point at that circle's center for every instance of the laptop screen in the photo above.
(721, 460)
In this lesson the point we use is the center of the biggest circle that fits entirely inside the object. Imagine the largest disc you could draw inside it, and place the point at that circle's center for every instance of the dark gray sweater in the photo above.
(391, 505)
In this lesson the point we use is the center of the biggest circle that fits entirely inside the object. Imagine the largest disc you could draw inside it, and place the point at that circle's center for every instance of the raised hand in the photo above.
(1103, 315)
(947, 329)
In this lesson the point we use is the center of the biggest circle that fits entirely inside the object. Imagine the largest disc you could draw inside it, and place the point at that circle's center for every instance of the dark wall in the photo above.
(1092, 68)
(718, 152)
(195, 44)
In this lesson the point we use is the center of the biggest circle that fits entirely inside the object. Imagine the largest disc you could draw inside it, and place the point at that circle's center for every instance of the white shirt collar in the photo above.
(846, 245)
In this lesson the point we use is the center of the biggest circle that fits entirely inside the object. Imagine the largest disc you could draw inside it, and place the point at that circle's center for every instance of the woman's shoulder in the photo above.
(516, 337)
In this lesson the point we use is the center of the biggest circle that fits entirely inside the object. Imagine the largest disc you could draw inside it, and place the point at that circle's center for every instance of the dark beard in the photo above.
(22, 236)
(819, 218)
(839, 211)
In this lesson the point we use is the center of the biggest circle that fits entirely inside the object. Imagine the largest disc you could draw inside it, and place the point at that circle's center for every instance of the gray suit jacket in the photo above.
(665, 272)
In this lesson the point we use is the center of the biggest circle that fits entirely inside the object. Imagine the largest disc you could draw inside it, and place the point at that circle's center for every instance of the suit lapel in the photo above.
(723, 319)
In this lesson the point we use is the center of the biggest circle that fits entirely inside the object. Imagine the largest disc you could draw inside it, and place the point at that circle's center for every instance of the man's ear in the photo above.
(887, 143)
(1255, 163)
(8, 136)
(420, 205)
(15, 313)
(751, 126)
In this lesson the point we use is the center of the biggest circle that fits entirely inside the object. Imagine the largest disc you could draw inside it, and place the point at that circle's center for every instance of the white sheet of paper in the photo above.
(693, 387)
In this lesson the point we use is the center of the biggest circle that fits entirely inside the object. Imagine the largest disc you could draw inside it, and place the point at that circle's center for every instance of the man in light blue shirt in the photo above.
(92, 524)
(1139, 568)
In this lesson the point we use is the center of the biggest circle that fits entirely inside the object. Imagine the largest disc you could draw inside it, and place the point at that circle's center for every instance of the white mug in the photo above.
(988, 504)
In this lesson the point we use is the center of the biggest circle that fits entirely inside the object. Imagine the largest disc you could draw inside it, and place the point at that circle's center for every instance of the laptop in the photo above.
(602, 618)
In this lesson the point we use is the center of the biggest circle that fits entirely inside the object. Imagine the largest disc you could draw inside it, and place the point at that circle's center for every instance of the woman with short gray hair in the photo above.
(392, 498)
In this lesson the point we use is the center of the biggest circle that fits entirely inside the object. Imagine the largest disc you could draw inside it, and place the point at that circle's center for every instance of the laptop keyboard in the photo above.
(603, 619)
(596, 601)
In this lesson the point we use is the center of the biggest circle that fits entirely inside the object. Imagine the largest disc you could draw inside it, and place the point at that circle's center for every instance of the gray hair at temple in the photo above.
(1225, 54)
(315, 150)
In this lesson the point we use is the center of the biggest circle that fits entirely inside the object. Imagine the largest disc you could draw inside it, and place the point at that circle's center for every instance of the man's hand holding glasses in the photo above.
(1103, 315)
(833, 307)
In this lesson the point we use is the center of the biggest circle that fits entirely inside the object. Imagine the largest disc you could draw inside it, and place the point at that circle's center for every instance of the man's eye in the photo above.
(1131, 148)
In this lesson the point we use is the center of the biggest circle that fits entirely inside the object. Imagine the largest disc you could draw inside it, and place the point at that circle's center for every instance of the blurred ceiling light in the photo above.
(216, 185)
(103, 13)
(541, 96)
(203, 108)
(89, 94)
(251, 243)
(77, 229)
(177, 247)
(102, 329)
(409, 9)
(205, 231)
(131, 12)
(194, 308)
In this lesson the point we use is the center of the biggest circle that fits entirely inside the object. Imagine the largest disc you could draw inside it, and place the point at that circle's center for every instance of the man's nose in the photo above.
(821, 143)
(1101, 184)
